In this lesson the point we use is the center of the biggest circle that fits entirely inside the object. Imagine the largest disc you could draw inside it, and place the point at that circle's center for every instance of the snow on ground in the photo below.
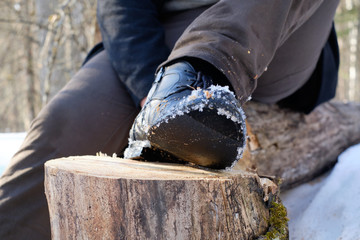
(9, 144)
(326, 208)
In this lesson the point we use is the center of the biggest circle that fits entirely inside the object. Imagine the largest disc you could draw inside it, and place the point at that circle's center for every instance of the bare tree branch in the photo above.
(23, 21)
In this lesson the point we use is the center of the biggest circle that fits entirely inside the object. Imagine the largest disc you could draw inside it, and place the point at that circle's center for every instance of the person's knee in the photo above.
(51, 121)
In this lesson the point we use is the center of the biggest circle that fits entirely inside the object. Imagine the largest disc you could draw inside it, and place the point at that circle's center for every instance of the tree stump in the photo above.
(111, 198)
(297, 147)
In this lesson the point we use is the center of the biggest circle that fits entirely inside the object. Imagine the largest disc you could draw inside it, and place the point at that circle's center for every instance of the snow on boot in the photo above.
(187, 118)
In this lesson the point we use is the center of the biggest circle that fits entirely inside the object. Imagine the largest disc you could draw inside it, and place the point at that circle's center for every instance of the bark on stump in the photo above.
(297, 147)
(111, 198)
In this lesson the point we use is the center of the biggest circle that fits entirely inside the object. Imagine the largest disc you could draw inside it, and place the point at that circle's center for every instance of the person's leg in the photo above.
(242, 38)
(92, 113)
(293, 63)
(296, 59)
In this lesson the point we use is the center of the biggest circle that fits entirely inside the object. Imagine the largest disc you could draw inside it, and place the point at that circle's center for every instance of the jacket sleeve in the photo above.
(134, 40)
(240, 37)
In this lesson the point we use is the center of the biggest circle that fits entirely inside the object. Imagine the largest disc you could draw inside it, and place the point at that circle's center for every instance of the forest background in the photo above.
(43, 44)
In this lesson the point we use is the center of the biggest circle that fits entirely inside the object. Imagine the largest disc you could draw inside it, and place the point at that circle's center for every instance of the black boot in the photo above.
(189, 119)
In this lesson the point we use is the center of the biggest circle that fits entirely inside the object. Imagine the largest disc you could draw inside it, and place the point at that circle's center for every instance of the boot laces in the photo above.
(199, 80)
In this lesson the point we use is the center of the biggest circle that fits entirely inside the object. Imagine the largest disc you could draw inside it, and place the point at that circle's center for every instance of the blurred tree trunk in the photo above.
(97, 37)
(357, 63)
(347, 24)
(28, 47)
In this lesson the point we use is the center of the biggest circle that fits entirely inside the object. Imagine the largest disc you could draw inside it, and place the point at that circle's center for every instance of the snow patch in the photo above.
(203, 97)
(228, 115)
(10, 144)
(135, 148)
(328, 207)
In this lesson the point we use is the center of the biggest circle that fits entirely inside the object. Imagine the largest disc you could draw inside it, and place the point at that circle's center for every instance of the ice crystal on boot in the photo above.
(135, 148)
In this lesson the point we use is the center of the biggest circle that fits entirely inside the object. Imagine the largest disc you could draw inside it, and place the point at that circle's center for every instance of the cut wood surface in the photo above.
(295, 146)
(111, 198)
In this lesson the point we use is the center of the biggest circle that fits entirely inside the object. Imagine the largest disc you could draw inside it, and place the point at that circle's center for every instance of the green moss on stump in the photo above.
(278, 223)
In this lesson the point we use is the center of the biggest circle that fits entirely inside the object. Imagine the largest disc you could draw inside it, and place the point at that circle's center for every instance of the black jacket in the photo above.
(135, 45)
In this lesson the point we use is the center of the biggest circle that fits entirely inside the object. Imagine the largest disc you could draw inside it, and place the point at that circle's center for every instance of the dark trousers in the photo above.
(94, 112)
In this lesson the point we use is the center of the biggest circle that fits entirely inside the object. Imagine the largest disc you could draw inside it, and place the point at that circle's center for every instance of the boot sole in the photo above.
(204, 138)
